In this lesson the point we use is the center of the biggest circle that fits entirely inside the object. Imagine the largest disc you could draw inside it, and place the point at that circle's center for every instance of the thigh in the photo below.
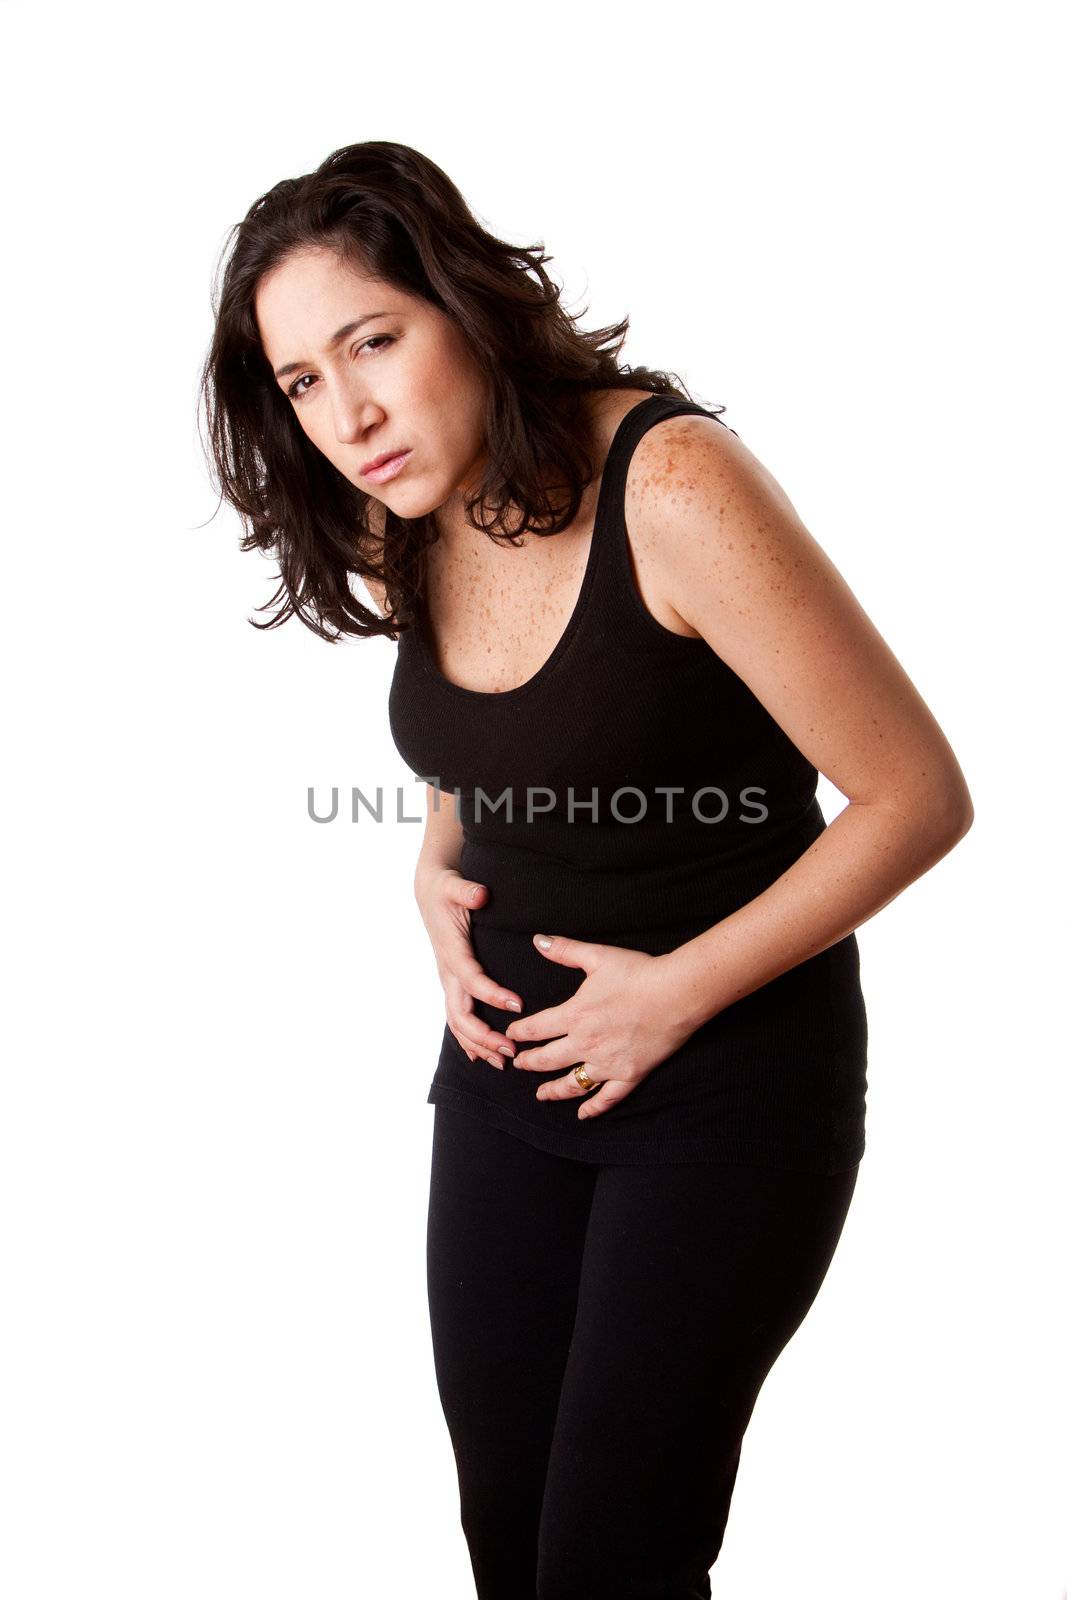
(694, 1279)
(505, 1234)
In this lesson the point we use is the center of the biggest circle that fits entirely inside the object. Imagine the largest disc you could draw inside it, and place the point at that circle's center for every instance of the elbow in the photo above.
(947, 817)
(935, 819)
(965, 818)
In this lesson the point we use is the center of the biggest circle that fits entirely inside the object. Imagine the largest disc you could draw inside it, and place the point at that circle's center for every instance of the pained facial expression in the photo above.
(403, 380)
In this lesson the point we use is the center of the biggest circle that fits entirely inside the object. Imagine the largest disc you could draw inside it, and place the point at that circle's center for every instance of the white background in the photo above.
(841, 221)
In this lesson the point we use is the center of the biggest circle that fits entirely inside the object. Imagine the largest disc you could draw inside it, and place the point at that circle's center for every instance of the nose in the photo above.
(355, 416)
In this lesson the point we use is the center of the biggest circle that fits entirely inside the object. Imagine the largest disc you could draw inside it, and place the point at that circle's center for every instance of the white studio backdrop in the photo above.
(223, 1017)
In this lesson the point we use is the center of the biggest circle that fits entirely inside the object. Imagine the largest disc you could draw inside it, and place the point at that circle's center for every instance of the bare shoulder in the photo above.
(703, 510)
(693, 462)
(678, 468)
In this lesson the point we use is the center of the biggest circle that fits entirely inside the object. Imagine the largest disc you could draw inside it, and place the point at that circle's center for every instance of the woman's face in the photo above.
(402, 380)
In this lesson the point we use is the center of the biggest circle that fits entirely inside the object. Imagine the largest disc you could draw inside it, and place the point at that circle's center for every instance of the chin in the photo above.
(409, 501)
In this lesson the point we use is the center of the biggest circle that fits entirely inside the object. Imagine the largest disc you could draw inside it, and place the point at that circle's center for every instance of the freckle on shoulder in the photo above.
(675, 457)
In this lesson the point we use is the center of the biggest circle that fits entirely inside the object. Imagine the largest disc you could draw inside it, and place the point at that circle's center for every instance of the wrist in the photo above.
(690, 987)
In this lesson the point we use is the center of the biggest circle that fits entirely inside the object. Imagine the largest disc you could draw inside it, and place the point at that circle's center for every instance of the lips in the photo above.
(385, 466)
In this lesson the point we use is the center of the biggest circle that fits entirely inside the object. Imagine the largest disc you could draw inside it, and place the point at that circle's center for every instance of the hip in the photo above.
(778, 1077)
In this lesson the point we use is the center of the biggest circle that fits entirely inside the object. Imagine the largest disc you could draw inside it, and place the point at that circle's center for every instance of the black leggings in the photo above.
(600, 1335)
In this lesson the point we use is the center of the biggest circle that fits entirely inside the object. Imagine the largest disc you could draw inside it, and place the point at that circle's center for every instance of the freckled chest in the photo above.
(498, 611)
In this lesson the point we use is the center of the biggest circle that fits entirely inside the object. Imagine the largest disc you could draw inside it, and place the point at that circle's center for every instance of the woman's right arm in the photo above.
(442, 840)
(445, 899)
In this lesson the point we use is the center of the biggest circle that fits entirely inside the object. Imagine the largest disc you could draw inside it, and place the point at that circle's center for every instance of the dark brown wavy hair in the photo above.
(392, 212)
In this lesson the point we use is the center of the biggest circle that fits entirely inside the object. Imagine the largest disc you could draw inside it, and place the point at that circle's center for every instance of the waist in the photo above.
(642, 893)
(815, 1009)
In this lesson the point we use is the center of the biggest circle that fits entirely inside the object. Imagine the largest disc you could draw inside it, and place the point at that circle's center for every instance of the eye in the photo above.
(379, 338)
(295, 392)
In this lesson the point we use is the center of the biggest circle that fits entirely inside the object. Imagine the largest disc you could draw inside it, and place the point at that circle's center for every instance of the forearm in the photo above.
(863, 860)
(442, 839)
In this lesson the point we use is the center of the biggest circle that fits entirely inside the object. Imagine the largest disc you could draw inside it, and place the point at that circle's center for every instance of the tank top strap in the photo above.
(613, 558)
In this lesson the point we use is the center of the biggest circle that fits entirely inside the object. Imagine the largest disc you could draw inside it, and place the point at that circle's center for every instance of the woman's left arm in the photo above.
(739, 566)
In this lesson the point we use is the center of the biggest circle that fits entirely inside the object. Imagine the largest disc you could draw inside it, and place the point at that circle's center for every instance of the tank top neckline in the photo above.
(605, 500)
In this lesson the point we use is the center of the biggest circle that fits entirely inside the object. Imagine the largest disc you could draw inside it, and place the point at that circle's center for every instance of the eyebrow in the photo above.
(342, 333)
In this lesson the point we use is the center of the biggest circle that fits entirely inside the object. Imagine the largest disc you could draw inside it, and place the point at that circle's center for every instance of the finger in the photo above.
(477, 982)
(461, 1014)
(465, 892)
(548, 1057)
(462, 1018)
(609, 1094)
(547, 1024)
(606, 1093)
(568, 952)
(474, 1050)
(467, 1049)
(565, 1087)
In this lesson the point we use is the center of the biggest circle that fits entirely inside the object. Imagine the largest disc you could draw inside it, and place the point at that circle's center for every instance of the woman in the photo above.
(622, 662)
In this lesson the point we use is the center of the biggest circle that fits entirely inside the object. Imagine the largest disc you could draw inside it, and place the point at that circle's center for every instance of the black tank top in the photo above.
(702, 802)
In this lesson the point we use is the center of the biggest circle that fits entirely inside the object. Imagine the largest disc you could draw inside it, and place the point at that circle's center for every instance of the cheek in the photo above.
(322, 436)
(461, 424)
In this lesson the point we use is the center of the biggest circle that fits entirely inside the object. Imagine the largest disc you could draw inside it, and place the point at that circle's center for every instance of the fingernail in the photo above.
(513, 1005)
(507, 1050)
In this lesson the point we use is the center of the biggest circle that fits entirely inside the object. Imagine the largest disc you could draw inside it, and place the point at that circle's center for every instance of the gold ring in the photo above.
(583, 1077)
